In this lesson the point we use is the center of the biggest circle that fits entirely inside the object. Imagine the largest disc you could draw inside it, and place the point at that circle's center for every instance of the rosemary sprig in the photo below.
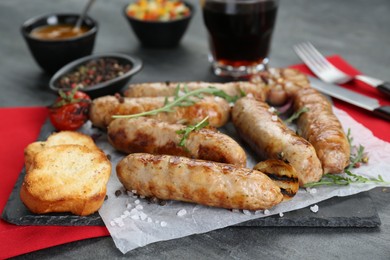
(296, 115)
(344, 180)
(190, 128)
(182, 101)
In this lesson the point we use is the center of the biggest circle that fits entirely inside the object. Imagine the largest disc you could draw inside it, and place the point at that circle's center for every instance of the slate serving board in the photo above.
(352, 211)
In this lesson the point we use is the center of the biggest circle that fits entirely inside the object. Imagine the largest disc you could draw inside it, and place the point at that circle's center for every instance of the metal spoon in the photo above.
(82, 16)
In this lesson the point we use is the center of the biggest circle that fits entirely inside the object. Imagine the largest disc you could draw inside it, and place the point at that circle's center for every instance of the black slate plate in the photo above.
(351, 211)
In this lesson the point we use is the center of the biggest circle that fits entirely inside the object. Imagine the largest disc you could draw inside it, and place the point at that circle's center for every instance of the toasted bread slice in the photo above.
(63, 137)
(66, 178)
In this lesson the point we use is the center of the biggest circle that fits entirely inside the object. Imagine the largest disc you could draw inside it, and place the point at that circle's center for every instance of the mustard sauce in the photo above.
(57, 32)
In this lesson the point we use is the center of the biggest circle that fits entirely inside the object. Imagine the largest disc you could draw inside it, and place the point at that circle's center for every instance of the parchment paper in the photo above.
(134, 222)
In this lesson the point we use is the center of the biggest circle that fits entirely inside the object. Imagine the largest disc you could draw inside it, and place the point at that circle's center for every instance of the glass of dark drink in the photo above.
(239, 33)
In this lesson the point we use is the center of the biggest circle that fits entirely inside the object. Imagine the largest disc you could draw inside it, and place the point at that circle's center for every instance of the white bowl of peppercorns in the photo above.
(97, 75)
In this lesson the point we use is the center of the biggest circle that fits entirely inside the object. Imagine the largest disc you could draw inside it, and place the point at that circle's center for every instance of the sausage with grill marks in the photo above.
(157, 89)
(322, 129)
(148, 135)
(203, 182)
(216, 108)
(272, 139)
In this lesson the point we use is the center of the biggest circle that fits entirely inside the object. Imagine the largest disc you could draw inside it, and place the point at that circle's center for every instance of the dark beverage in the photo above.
(239, 30)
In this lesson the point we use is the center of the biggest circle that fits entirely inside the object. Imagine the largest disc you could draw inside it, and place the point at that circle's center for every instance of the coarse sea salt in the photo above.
(267, 212)
(274, 118)
(163, 223)
(139, 207)
(281, 214)
(314, 208)
(181, 212)
(246, 212)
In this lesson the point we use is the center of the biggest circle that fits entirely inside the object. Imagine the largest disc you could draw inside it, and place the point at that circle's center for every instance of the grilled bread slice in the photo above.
(63, 137)
(66, 178)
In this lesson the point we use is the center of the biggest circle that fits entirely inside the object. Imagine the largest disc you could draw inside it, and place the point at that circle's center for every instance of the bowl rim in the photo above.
(136, 67)
(35, 19)
(189, 5)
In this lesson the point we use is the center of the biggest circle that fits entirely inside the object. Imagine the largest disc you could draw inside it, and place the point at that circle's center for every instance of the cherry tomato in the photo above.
(70, 110)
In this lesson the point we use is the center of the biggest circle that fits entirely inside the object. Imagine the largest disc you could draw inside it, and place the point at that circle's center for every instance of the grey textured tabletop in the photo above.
(358, 30)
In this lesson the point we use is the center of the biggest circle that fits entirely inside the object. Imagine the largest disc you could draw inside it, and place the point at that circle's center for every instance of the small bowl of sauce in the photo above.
(58, 32)
(54, 41)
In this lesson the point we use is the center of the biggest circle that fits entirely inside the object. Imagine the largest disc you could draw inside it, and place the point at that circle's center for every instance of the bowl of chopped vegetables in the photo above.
(97, 75)
(159, 23)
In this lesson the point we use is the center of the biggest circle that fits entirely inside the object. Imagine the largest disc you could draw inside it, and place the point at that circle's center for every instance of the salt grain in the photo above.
(134, 191)
(274, 118)
(143, 216)
(267, 212)
(126, 213)
(139, 207)
(272, 110)
(281, 214)
(112, 223)
(135, 217)
(247, 212)
(163, 223)
(314, 208)
(149, 220)
(181, 212)
(257, 212)
(128, 206)
(235, 210)
(137, 202)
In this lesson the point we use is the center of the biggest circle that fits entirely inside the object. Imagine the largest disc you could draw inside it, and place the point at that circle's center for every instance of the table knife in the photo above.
(351, 97)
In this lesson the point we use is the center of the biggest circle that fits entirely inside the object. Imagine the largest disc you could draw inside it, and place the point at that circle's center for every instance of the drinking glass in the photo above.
(239, 33)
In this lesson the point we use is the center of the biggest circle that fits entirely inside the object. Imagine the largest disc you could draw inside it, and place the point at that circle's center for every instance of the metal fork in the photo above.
(329, 73)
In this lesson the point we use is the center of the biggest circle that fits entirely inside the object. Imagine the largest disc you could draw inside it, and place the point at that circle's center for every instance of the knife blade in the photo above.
(359, 100)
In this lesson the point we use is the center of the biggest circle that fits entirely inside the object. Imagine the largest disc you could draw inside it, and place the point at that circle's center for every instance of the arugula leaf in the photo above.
(186, 131)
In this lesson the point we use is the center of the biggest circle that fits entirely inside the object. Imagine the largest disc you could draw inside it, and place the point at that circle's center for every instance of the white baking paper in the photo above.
(134, 222)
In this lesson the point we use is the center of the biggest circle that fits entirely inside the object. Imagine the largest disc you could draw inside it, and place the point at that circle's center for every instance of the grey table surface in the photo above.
(356, 29)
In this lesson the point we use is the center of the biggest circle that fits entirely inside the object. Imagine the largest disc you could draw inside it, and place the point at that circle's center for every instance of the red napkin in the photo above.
(379, 126)
(21, 126)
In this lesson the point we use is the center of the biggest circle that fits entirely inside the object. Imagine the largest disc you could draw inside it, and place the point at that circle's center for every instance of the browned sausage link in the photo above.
(203, 182)
(272, 139)
(282, 84)
(323, 130)
(148, 135)
(283, 174)
(157, 89)
(103, 108)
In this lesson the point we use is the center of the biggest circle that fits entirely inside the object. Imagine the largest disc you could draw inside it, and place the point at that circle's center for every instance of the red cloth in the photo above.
(21, 126)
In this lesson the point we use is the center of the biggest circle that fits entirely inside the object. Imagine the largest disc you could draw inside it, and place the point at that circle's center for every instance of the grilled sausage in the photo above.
(167, 89)
(147, 135)
(103, 108)
(283, 174)
(322, 129)
(282, 84)
(203, 182)
(272, 139)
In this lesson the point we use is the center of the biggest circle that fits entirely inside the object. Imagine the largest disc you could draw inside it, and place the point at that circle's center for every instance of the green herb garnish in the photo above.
(190, 128)
(296, 115)
(344, 180)
(182, 101)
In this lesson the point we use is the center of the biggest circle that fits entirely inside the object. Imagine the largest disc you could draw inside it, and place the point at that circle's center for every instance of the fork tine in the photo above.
(322, 61)
(305, 56)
